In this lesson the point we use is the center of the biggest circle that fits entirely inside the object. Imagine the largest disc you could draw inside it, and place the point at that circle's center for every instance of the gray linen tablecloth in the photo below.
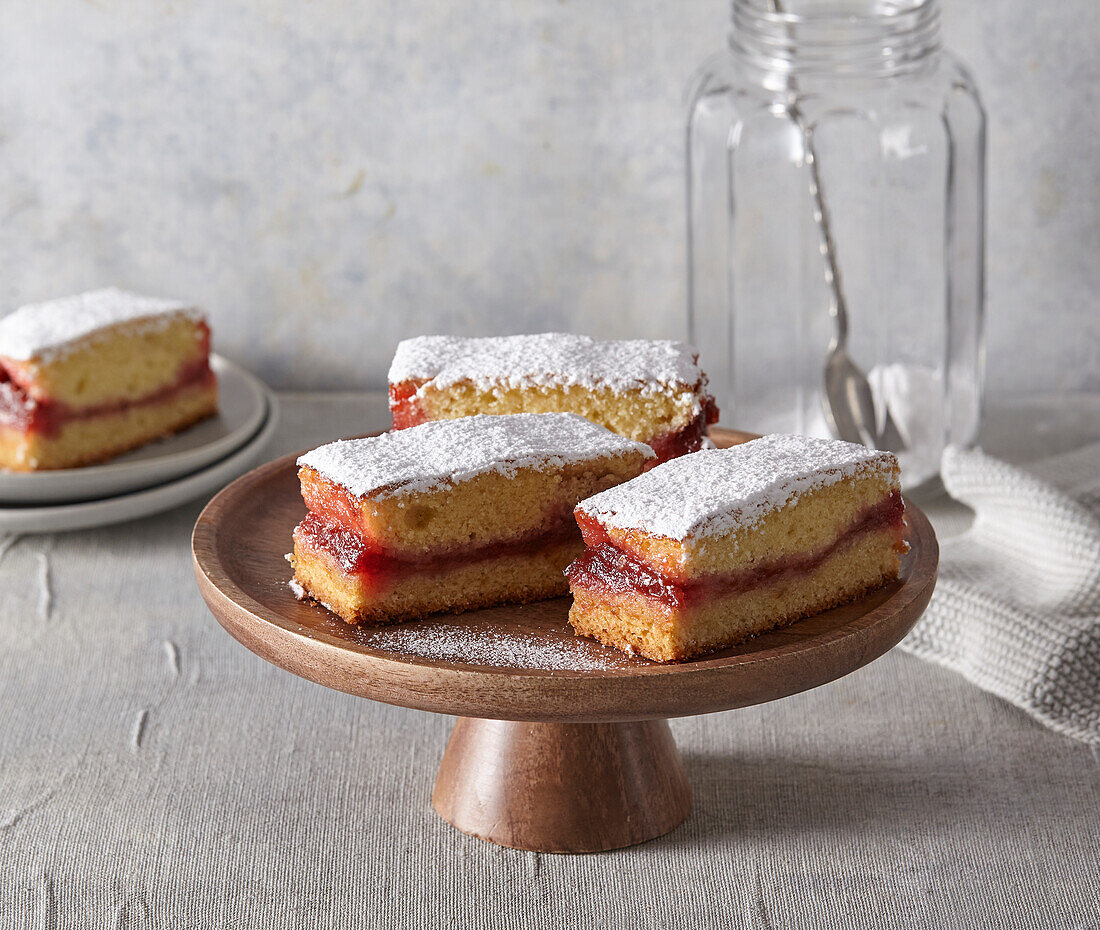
(153, 773)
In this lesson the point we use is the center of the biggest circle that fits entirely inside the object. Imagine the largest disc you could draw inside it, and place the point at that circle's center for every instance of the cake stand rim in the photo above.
(458, 688)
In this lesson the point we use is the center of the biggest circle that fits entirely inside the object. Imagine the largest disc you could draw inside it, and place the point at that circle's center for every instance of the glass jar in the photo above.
(836, 158)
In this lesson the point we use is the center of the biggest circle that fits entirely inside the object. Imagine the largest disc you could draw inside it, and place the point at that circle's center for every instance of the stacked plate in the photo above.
(194, 463)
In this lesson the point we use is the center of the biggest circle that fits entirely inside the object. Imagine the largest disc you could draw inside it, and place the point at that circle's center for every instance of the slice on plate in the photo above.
(650, 390)
(451, 515)
(85, 378)
(709, 549)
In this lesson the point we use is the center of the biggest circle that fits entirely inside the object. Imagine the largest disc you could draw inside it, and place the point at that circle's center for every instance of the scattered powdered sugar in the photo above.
(714, 492)
(441, 642)
(443, 452)
(302, 594)
(49, 330)
(548, 359)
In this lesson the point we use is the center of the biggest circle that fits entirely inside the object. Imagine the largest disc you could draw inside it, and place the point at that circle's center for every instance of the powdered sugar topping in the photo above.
(443, 452)
(718, 491)
(444, 642)
(48, 330)
(547, 359)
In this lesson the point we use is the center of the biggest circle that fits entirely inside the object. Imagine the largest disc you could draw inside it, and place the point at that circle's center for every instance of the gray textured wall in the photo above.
(329, 177)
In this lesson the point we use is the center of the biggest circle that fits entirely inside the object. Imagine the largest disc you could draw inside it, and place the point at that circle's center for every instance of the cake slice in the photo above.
(87, 377)
(650, 390)
(704, 551)
(452, 515)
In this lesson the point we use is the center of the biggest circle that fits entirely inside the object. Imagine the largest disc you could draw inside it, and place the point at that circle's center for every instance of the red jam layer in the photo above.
(404, 409)
(591, 529)
(356, 556)
(609, 571)
(21, 412)
(689, 439)
(332, 503)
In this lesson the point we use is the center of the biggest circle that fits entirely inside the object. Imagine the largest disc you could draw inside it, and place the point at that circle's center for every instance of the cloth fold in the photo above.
(1016, 609)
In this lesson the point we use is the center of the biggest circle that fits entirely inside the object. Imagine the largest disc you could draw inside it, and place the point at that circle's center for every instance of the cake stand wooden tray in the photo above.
(562, 745)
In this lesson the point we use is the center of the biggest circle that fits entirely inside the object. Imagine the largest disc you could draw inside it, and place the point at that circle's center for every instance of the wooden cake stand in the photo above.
(562, 745)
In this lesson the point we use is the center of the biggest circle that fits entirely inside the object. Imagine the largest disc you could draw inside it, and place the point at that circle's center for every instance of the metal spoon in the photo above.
(847, 401)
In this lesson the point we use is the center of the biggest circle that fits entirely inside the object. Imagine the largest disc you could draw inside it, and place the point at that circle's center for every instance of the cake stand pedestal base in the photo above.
(562, 787)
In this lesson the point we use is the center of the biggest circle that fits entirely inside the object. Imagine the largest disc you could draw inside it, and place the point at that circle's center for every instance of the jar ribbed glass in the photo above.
(859, 100)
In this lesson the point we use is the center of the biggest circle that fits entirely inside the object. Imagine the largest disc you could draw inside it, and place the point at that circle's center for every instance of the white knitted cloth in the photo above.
(1017, 606)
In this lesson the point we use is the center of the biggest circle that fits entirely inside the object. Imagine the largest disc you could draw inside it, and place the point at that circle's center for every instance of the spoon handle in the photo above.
(838, 305)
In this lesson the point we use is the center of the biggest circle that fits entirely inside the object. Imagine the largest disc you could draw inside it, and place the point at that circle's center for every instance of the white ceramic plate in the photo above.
(241, 410)
(203, 483)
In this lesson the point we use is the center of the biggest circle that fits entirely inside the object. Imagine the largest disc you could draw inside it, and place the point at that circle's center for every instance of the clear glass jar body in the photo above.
(897, 132)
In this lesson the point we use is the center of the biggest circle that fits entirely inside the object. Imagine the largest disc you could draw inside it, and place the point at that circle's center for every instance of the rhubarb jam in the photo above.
(610, 571)
(358, 556)
(688, 439)
(333, 503)
(405, 410)
(20, 411)
(591, 529)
